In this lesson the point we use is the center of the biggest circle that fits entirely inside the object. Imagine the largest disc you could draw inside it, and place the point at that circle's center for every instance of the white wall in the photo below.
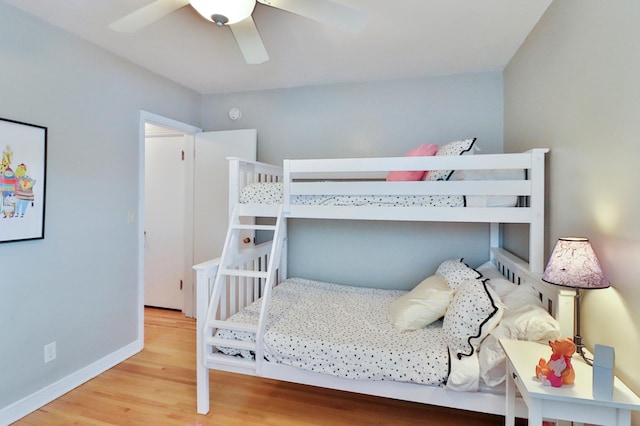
(78, 286)
(574, 87)
(385, 118)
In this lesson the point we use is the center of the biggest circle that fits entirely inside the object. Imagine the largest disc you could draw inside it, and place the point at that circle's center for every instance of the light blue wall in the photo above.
(574, 87)
(386, 118)
(78, 286)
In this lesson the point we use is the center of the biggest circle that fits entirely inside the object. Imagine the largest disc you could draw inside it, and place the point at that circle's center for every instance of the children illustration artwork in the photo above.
(16, 187)
(23, 170)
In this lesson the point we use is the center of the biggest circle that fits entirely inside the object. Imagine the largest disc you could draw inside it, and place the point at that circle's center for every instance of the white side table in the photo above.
(572, 403)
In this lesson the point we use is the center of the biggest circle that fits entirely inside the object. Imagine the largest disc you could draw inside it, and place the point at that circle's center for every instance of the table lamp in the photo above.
(573, 263)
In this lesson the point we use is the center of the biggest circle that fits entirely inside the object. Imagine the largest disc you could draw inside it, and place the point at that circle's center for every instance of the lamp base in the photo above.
(577, 339)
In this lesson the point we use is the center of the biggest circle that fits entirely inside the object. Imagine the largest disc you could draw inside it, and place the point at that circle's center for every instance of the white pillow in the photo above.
(456, 272)
(493, 174)
(497, 281)
(426, 303)
(473, 313)
(522, 296)
(524, 319)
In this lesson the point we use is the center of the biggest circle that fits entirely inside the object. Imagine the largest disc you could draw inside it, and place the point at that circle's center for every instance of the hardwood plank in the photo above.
(157, 387)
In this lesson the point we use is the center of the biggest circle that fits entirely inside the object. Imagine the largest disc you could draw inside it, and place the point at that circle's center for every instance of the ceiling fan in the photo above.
(236, 14)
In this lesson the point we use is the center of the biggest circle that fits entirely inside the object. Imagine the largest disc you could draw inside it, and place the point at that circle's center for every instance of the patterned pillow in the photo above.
(457, 272)
(452, 148)
(474, 312)
(424, 150)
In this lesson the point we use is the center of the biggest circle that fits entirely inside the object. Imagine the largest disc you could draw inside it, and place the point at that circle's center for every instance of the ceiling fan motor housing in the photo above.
(224, 12)
(220, 20)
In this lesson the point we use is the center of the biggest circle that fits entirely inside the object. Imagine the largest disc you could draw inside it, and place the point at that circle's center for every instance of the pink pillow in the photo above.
(424, 150)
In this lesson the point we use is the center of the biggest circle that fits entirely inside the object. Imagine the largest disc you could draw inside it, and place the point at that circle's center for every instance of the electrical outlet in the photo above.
(49, 352)
(131, 217)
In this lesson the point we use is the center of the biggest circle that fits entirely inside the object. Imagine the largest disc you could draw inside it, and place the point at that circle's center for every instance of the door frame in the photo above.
(190, 130)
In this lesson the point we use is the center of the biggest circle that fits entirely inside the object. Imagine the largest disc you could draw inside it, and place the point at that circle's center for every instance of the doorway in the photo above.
(203, 232)
(187, 131)
(165, 233)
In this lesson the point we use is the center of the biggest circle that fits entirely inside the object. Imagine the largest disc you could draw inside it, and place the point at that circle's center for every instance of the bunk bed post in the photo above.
(286, 173)
(494, 239)
(235, 186)
(205, 274)
(536, 227)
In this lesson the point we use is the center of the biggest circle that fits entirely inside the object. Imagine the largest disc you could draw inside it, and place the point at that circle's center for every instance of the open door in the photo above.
(211, 186)
(166, 262)
(185, 185)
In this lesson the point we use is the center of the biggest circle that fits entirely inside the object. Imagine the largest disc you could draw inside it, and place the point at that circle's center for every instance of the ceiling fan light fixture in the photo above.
(232, 10)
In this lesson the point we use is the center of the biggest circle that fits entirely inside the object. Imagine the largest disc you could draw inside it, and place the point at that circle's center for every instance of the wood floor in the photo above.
(157, 387)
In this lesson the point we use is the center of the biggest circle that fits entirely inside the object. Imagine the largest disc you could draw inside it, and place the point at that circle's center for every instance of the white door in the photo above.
(177, 236)
(165, 218)
(211, 187)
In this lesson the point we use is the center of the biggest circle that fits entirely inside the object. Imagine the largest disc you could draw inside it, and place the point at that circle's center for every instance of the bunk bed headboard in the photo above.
(243, 173)
(559, 301)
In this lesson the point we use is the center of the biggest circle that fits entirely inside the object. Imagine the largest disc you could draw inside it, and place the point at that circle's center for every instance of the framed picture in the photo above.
(22, 180)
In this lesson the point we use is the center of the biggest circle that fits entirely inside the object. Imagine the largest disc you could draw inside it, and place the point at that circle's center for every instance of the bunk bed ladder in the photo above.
(252, 268)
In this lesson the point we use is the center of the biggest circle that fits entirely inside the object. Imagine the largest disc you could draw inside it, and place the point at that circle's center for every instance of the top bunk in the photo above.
(447, 187)
(504, 188)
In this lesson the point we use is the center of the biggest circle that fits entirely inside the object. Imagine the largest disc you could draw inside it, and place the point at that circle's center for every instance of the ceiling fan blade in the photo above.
(323, 11)
(146, 15)
(249, 41)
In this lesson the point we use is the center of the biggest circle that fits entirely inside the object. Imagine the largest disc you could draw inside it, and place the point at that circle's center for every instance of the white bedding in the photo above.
(272, 193)
(346, 332)
(525, 319)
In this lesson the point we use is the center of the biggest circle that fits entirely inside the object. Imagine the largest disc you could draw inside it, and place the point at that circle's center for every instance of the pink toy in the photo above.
(558, 370)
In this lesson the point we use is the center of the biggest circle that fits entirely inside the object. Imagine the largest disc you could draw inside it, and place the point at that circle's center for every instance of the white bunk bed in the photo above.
(247, 273)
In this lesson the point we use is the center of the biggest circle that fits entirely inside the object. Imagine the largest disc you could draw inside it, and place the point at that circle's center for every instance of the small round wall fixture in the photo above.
(235, 114)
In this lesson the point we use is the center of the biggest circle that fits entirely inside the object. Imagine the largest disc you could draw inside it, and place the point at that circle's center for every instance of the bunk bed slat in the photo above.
(385, 164)
(244, 273)
(436, 214)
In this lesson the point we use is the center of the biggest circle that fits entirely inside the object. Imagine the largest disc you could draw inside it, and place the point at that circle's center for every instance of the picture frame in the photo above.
(23, 170)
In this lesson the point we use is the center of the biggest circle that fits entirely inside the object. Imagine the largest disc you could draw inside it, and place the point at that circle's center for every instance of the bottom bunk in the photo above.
(343, 331)
(356, 346)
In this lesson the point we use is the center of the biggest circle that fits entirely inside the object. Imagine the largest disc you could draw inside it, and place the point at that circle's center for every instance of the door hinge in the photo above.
(180, 284)
(183, 155)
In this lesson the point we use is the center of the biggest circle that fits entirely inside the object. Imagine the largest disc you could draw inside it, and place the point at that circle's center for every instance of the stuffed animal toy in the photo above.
(558, 370)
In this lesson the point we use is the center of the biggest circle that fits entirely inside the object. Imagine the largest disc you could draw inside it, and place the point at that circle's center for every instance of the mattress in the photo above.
(272, 193)
(346, 332)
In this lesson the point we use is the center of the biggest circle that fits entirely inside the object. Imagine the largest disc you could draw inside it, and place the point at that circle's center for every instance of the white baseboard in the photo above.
(21, 408)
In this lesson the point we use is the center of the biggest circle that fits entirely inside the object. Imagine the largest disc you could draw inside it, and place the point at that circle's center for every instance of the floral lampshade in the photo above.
(573, 263)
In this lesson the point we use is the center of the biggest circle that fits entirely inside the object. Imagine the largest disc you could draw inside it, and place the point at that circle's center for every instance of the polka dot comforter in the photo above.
(344, 331)
(272, 193)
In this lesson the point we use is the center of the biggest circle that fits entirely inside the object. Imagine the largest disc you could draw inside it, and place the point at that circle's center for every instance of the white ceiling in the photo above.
(403, 38)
